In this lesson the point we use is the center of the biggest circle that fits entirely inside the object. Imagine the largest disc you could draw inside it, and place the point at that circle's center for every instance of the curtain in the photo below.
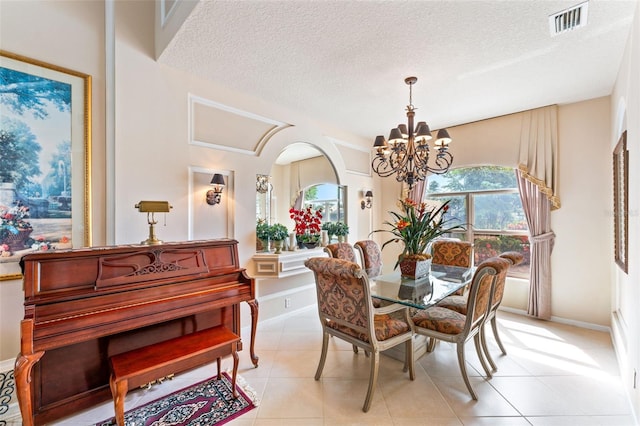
(537, 180)
(417, 192)
(295, 187)
(538, 159)
(537, 209)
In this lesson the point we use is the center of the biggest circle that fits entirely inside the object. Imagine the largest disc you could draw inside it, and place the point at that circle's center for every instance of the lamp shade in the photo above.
(368, 194)
(217, 179)
(423, 133)
(443, 138)
(395, 135)
(380, 142)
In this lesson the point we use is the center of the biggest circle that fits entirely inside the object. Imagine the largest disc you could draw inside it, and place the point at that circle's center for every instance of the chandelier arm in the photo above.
(386, 165)
(443, 162)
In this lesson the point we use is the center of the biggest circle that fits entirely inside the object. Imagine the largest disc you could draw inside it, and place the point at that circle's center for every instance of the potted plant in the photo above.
(415, 227)
(278, 233)
(262, 234)
(308, 224)
(330, 228)
(341, 230)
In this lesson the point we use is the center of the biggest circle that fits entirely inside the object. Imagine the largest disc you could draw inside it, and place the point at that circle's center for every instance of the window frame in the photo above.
(471, 232)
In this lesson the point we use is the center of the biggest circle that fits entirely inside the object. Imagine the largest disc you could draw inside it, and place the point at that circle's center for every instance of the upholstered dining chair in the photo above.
(371, 256)
(447, 325)
(459, 304)
(342, 251)
(514, 258)
(346, 312)
(345, 251)
(449, 252)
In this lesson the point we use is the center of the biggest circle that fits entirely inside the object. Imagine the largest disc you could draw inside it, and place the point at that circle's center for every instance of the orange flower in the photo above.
(402, 224)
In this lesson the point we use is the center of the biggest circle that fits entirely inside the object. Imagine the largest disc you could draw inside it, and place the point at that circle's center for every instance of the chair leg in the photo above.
(323, 355)
(494, 326)
(373, 378)
(431, 344)
(408, 359)
(355, 349)
(477, 340)
(463, 370)
(485, 348)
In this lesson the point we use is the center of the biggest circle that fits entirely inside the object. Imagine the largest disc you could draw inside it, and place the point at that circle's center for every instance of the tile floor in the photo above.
(554, 374)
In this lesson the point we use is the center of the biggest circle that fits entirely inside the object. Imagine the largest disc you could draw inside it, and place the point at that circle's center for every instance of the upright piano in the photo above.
(82, 306)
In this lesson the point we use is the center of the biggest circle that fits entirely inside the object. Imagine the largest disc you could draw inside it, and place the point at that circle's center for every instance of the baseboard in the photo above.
(7, 365)
(561, 320)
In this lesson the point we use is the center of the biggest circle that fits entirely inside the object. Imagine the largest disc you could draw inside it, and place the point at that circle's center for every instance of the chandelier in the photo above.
(406, 154)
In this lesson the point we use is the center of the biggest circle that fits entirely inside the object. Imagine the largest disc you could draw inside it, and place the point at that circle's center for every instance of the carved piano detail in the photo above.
(84, 305)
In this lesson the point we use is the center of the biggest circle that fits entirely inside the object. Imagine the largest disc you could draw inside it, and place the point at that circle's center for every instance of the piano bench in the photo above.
(148, 363)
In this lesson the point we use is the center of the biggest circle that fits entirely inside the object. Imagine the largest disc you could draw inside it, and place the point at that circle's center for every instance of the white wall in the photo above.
(625, 115)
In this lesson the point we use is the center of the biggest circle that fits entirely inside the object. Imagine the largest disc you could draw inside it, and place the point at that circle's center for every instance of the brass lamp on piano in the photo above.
(152, 207)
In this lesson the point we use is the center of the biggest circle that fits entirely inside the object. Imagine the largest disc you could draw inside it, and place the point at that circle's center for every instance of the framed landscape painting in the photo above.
(621, 202)
(45, 157)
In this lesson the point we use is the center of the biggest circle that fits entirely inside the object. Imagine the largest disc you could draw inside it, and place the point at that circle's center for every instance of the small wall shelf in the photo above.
(284, 264)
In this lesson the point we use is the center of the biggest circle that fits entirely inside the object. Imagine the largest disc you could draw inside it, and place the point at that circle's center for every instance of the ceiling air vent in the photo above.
(569, 19)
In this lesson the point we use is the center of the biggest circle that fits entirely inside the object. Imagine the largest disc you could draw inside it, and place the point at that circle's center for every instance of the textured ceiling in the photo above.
(344, 62)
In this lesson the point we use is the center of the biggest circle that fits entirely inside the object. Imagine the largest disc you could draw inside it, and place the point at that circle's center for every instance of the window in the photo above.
(328, 196)
(486, 201)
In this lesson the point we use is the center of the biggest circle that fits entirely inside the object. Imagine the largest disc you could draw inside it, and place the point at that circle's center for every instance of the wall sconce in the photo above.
(366, 203)
(214, 195)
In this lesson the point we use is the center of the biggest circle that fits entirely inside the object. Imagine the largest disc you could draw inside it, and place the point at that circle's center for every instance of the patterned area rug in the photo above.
(206, 403)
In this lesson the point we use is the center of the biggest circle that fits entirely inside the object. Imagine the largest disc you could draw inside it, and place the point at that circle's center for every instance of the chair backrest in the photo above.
(342, 251)
(480, 292)
(343, 294)
(371, 256)
(452, 253)
(514, 258)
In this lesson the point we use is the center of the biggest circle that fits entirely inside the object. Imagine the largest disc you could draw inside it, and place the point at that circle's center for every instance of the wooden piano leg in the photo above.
(253, 304)
(22, 372)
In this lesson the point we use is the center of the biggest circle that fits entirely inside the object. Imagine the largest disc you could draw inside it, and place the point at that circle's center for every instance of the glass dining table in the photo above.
(423, 292)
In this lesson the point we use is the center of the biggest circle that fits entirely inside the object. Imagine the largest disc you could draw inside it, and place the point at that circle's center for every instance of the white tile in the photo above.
(553, 374)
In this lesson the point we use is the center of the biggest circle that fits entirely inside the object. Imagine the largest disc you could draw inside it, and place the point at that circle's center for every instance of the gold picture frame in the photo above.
(47, 118)
(621, 202)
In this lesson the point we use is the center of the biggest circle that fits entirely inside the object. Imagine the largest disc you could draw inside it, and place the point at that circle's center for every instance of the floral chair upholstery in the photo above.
(438, 323)
(450, 252)
(371, 256)
(346, 312)
(342, 251)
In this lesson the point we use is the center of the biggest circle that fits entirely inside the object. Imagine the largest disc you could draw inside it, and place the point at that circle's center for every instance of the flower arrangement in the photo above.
(416, 227)
(308, 224)
(13, 219)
